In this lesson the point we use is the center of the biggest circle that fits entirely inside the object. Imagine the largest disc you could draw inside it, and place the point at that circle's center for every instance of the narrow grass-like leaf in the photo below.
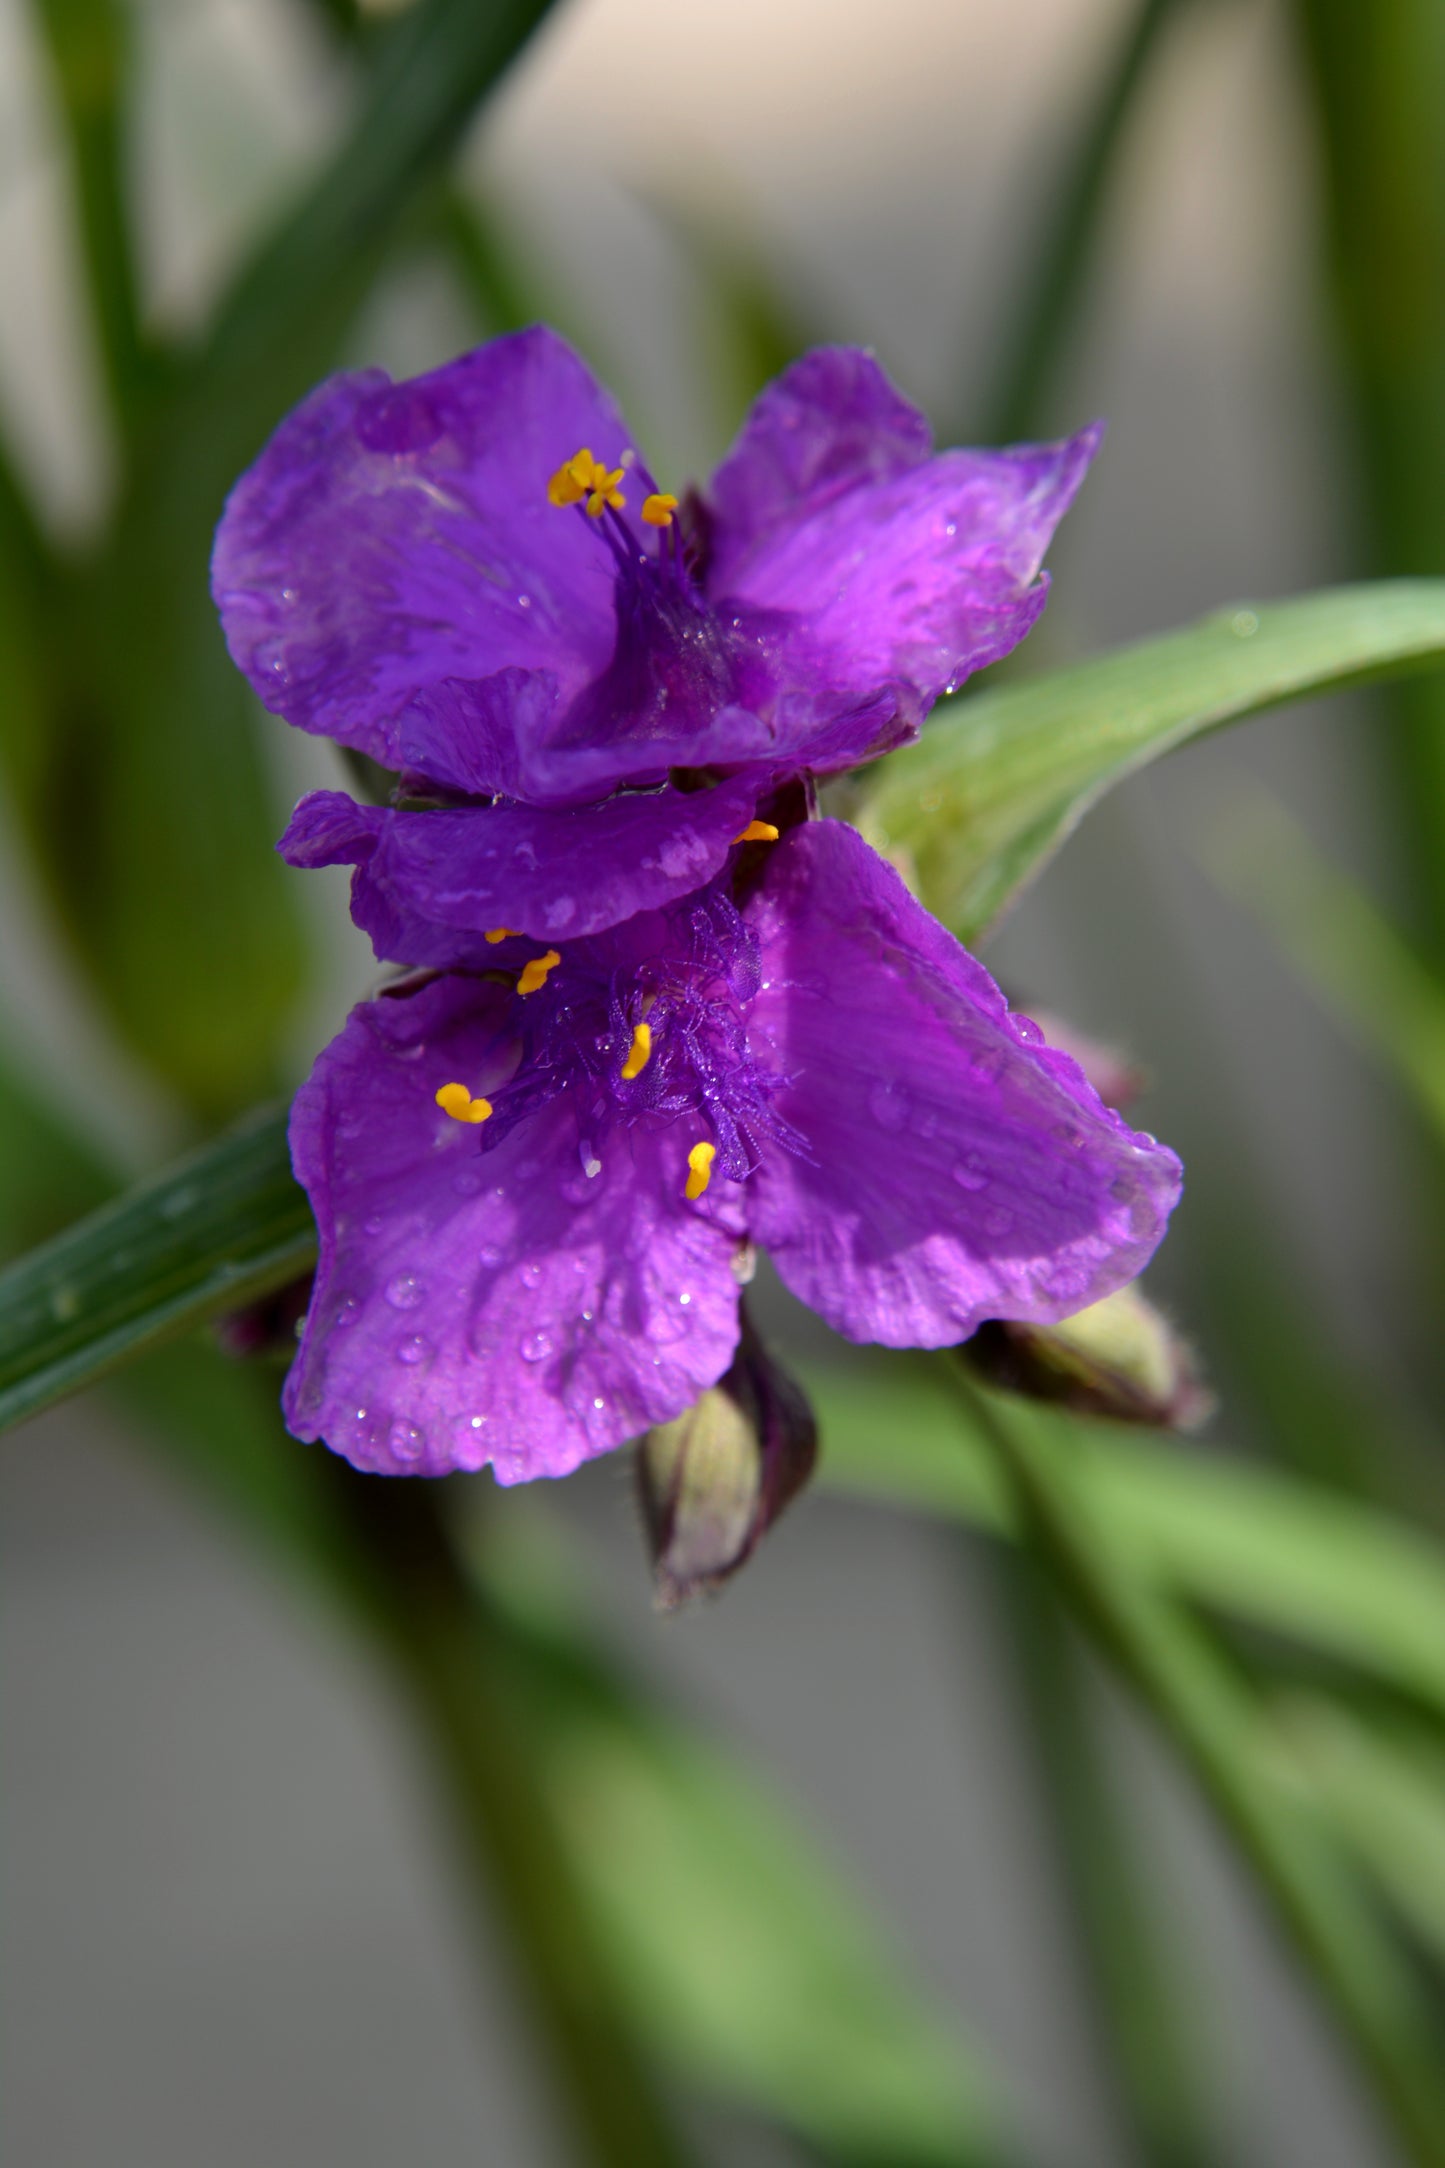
(1138, 1987)
(1339, 941)
(160, 865)
(1385, 1790)
(221, 1228)
(1000, 779)
(88, 43)
(1374, 81)
(1231, 1536)
(1212, 1724)
(1035, 345)
(742, 1953)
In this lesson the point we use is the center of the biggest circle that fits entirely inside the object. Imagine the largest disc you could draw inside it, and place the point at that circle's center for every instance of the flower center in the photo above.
(676, 663)
(646, 1025)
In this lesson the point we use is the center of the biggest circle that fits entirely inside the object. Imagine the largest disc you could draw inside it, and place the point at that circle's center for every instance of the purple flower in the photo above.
(473, 578)
(538, 1184)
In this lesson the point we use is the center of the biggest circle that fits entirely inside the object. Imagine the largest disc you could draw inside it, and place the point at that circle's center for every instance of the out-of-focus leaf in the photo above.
(746, 1960)
(744, 1957)
(1211, 1721)
(1000, 779)
(1034, 345)
(88, 47)
(48, 1175)
(1377, 75)
(755, 321)
(1385, 1790)
(29, 579)
(151, 820)
(279, 326)
(1339, 941)
(1137, 1982)
(215, 1231)
(490, 277)
(741, 1960)
(1228, 1535)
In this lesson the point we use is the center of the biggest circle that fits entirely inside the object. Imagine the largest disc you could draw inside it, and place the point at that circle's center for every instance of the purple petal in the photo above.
(496, 1307)
(428, 885)
(392, 537)
(961, 1169)
(882, 565)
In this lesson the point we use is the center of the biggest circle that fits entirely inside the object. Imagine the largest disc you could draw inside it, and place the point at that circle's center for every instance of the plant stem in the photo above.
(450, 1653)
(1215, 1728)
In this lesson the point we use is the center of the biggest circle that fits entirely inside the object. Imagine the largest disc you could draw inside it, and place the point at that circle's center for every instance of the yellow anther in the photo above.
(699, 1170)
(755, 832)
(456, 1100)
(573, 479)
(640, 1052)
(534, 974)
(605, 491)
(658, 509)
(494, 934)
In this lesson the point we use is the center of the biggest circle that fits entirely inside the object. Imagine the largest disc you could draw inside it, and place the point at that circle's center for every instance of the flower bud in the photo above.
(267, 1330)
(714, 1480)
(1119, 1358)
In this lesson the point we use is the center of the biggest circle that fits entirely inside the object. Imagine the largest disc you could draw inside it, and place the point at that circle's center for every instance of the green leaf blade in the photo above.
(222, 1228)
(1001, 779)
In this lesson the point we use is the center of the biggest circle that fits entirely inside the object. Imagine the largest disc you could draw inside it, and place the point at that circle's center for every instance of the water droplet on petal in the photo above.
(405, 1440)
(530, 1274)
(1065, 1279)
(1024, 1027)
(414, 1350)
(970, 1173)
(404, 1291)
(535, 1347)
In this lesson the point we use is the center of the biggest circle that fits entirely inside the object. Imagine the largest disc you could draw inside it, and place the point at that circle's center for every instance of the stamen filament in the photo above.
(699, 1166)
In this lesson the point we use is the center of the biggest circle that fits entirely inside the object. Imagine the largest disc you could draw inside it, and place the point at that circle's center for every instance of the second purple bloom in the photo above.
(474, 579)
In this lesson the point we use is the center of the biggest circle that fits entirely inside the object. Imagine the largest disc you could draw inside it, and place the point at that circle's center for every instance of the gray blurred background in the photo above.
(228, 1942)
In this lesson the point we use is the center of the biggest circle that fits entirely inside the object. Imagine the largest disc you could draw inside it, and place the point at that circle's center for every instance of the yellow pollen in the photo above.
(640, 1052)
(534, 974)
(494, 934)
(573, 479)
(699, 1165)
(605, 491)
(757, 832)
(456, 1100)
(658, 509)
